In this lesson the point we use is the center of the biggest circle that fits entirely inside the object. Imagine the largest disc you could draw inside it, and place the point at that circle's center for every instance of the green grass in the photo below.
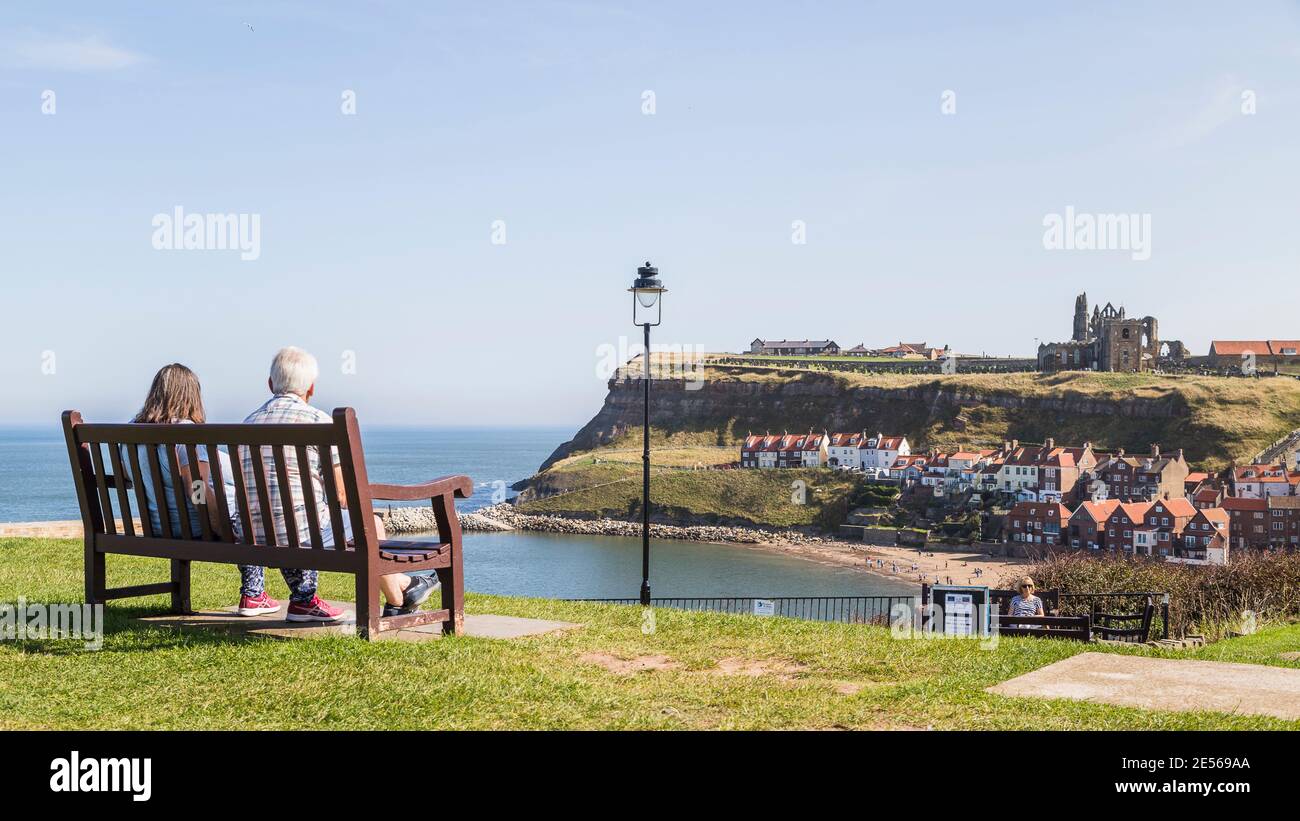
(154, 677)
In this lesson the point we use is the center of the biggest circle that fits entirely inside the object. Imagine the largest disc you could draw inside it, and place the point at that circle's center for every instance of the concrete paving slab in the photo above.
(274, 625)
(1164, 684)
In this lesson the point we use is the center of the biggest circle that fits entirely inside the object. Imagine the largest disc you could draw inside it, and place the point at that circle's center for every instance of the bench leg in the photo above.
(95, 580)
(452, 580)
(181, 591)
(367, 591)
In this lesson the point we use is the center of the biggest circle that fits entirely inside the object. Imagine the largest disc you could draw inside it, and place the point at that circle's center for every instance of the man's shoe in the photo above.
(315, 610)
(258, 605)
(418, 591)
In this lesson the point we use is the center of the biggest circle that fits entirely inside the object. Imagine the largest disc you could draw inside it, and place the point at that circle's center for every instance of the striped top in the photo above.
(287, 408)
(1025, 607)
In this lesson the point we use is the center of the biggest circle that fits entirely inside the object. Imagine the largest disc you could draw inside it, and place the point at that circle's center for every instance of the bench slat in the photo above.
(143, 434)
(286, 494)
(258, 465)
(219, 488)
(346, 561)
(164, 515)
(101, 484)
(332, 498)
(141, 503)
(309, 499)
(204, 475)
(180, 492)
(246, 534)
(123, 498)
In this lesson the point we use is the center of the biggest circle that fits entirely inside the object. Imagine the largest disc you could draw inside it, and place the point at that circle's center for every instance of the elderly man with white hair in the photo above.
(292, 383)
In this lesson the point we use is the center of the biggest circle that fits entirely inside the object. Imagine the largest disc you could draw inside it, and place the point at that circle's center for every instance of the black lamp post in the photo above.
(647, 304)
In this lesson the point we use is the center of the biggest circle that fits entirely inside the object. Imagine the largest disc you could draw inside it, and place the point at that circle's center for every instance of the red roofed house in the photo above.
(1143, 478)
(1262, 481)
(842, 450)
(1283, 522)
(1160, 530)
(1037, 523)
(1248, 523)
(908, 469)
(1124, 525)
(790, 453)
(880, 451)
(1260, 354)
(1088, 523)
(814, 453)
(1204, 540)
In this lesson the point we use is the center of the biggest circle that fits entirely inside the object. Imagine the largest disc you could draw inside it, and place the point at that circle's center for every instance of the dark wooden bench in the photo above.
(93, 447)
(1130, 627)
(1077, 628)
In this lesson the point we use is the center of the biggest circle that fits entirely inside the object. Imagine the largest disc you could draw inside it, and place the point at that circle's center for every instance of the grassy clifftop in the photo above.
(1214, 419)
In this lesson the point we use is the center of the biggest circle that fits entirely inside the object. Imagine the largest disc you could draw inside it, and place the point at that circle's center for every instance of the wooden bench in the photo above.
(1077, 628)
(1130, 627)
(92, 447)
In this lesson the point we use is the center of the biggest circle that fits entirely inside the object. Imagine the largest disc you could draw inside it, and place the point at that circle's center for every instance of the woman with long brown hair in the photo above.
(176, 398)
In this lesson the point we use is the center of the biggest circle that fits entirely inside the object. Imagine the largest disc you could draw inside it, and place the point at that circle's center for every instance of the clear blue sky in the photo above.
(376, 228)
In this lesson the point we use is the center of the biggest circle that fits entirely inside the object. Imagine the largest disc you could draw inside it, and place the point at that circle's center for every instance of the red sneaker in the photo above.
(315, 610)
(258, 605)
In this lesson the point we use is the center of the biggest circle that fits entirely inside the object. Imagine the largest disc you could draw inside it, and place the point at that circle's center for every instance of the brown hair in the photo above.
(174, 396)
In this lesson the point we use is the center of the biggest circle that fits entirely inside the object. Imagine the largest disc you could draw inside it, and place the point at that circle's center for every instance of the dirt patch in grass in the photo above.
(753, 668)
(628, 667)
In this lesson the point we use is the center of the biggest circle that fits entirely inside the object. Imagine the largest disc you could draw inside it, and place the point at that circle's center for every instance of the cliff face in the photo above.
(928, 410)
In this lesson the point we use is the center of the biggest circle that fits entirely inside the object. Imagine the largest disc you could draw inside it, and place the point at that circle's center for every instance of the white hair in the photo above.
(293, 371)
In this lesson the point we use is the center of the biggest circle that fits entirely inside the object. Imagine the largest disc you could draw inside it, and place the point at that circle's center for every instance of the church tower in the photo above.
(1081, 317)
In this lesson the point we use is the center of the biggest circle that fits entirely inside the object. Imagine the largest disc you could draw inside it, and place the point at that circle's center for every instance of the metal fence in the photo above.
(846, 609)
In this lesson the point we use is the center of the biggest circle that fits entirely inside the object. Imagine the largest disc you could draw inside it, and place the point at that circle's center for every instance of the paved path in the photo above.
(1164, 684)
(479, 625)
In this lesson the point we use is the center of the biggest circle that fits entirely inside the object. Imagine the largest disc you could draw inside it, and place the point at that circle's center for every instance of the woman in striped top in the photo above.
(1025, 603)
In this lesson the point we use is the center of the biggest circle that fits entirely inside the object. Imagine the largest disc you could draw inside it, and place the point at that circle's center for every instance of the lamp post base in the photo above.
(645, 594)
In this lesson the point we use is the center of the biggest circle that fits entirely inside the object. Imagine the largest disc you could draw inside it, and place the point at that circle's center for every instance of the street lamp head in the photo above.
(646, 291)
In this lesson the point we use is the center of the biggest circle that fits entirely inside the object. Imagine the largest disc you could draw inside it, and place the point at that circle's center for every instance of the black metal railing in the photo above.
(845, 609)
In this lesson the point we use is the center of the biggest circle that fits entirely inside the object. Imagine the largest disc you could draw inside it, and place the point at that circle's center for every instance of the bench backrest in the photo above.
(102, 455)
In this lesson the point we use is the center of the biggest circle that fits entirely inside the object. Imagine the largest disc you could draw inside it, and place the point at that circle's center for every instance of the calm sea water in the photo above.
(36, 485)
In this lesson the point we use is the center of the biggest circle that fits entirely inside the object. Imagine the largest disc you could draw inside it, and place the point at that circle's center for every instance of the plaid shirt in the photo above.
(287, 408)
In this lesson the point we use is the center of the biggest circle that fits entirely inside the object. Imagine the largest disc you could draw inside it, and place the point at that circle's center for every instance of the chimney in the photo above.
(1006, 445)
(1180, 454)
(1015, 443)
(1155, 451)
(1119, 454)
(1051, 443)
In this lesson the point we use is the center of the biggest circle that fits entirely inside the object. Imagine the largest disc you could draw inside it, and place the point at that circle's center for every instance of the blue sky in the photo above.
(376, 227)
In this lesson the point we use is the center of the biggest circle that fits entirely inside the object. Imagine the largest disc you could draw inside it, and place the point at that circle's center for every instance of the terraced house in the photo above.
(1143, 478)
(1038, 523)
(879, 452)
(1159, 529)
(842, 450)
(1262, 481)
(1205, 539)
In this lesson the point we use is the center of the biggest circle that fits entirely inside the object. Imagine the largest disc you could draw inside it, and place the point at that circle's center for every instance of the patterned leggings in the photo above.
(302, 583)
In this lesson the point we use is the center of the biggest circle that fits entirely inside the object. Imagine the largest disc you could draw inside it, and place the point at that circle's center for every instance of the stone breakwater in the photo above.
(507, 517)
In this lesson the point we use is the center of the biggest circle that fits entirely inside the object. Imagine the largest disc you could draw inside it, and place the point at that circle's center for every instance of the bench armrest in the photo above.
(460, 486)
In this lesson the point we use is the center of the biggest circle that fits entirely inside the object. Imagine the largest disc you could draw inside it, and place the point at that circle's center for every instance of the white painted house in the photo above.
(815, 450)
(842, 450)
(880, 452)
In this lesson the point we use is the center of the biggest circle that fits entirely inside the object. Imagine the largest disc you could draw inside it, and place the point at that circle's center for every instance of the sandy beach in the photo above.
(954, 566)
(900, 563)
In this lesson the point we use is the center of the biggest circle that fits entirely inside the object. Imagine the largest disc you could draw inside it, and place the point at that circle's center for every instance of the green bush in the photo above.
(1207, 599)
